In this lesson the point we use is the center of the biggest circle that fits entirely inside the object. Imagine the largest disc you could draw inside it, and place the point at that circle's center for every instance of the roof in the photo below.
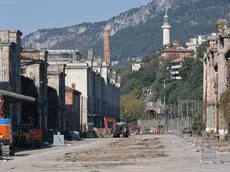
(176, 50)
(68, 89)
(172, 42)
(181, 59)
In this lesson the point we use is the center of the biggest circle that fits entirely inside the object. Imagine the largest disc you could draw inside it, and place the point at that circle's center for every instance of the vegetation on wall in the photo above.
(224, 104)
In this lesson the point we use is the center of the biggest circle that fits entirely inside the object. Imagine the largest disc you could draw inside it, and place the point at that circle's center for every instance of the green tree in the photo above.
(131, 107)
(202, 48)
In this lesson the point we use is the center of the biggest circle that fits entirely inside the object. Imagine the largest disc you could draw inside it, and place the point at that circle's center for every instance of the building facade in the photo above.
(194, 43)
(98, 84)
(72, 120)
(136, 66)
(56, 79)
(215, 80)
(10, 72)
(100, 92)
(34, 65)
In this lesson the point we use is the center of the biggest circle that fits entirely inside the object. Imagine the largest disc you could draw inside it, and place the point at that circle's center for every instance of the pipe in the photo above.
(17, 97)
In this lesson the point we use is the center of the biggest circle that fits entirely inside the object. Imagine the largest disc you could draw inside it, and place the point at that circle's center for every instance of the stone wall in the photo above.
(175, 125)
(34, 63)
(72, 115)
(215, 78)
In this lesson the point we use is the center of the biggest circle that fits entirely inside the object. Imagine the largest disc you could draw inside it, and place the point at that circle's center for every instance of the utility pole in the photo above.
(178, 112)
(187, 109)
(192, 108)
(195, 107)
(164, 95)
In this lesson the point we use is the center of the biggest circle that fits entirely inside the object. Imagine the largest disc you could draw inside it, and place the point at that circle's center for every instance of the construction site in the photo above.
(53, 92)
(60, 111)
(165, 152)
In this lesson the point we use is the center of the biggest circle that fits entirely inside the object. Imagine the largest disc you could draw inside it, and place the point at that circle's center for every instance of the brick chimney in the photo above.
(107, 52)
(73, 86)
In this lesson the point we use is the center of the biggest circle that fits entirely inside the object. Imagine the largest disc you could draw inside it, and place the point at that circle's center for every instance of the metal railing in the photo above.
(209, 150)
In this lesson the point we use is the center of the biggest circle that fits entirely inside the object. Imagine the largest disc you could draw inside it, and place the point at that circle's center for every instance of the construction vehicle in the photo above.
(122, 130)
(25, 137)
(29, 137)
(111, 120)
(6, 146)
(161, 129)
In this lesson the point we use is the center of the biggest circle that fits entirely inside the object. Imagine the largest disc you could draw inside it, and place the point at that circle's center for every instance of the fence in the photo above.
(209, 150)
(173, 125)
(211, 153)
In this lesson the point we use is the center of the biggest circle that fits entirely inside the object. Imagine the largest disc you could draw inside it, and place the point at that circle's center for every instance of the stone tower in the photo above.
(107, 52)
(166, 29)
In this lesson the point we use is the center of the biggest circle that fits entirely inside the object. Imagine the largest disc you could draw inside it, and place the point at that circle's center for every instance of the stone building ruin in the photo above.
(215, 78)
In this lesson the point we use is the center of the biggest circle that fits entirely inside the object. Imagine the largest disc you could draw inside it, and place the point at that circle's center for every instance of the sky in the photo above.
(31, 15)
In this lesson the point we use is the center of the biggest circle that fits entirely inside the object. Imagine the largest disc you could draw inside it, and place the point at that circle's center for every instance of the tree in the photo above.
(202, 48)
(132, 108)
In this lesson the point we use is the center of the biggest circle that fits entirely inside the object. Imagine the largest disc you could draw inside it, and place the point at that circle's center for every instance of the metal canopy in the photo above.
(12, 97)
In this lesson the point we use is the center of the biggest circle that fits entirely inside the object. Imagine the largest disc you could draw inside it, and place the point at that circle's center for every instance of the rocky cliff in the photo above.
(138, 31)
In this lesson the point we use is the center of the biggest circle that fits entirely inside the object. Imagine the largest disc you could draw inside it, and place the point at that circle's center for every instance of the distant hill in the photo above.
(136, 32)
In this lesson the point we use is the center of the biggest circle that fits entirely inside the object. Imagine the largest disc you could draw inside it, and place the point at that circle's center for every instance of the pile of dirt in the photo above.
(123, 151)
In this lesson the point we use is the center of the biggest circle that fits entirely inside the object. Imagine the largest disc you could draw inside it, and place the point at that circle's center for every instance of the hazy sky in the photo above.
(30, 15)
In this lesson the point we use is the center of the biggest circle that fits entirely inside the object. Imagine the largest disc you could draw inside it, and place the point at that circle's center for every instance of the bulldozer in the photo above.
(122, 130)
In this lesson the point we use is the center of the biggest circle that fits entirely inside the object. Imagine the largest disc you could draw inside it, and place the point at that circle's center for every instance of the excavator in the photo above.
(6, 146)
(119, 129)
(122, 130)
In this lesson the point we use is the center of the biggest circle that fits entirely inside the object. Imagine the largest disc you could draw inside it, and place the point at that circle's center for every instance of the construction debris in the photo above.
(120, 152)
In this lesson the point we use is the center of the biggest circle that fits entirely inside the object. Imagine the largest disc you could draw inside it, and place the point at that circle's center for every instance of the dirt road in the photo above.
(165, 153)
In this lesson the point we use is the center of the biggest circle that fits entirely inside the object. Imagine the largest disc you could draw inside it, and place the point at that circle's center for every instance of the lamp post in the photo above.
(164, 96)
(125, 115)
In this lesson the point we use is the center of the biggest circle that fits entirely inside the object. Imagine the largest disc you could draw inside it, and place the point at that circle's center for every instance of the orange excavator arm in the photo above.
(1, 107)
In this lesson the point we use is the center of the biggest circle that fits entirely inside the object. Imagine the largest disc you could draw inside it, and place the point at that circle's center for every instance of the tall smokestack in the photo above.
(91, 54)
(107, 52)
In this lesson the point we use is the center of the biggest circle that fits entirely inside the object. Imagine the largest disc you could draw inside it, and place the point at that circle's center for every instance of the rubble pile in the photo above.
(122, 151)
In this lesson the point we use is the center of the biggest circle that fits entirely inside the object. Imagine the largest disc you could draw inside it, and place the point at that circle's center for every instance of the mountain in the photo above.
(136, 32)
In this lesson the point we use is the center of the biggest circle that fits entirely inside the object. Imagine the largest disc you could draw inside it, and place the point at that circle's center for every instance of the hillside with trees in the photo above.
(177, 93)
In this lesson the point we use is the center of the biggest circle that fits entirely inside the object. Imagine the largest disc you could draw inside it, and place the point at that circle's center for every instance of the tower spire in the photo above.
(166, 28)
(166, 17)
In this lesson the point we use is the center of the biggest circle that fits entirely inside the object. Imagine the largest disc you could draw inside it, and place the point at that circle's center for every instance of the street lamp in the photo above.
(125, 115)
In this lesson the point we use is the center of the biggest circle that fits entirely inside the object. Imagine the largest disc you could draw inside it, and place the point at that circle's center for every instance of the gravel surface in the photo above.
(164, 153)
(120, 152)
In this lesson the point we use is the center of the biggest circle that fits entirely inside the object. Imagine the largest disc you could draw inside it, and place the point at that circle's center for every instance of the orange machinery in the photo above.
(106, 123)
(29, 135)
(6, 147)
